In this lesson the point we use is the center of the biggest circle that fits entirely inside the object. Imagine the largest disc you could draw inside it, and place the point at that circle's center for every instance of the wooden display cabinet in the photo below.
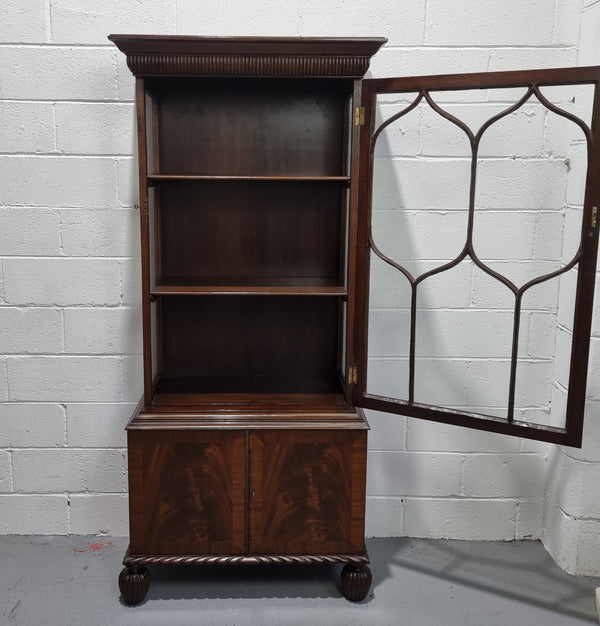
(245, 447)
(248, 446)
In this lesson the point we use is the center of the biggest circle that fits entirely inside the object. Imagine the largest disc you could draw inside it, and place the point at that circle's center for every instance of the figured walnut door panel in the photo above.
(307, 491)
(187, 492)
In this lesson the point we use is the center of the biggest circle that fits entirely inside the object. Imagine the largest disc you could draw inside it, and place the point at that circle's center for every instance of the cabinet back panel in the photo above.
(249, 336)
(251, 127)
(241, 229)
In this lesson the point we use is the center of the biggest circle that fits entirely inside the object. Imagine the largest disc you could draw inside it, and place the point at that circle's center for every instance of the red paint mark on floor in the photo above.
(98, 546)
(94, 547)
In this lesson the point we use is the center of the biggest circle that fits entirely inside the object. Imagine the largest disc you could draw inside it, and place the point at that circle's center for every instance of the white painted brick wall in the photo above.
(455, 517)
(23, 22)
(30, 232)
(69, 470)
(27, 127)
(62, 282)
(490, 23)
(32, 425)
(34, 514)
(51, 181)
(95, 128)
(70, 369)
(570, 527)
(99, 514)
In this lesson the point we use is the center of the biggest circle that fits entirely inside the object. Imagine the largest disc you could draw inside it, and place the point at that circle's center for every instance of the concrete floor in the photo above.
(66, 581)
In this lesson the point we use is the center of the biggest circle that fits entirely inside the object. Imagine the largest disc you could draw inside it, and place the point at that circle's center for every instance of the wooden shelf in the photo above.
(154, 179)
(286, 286)
(248, 391)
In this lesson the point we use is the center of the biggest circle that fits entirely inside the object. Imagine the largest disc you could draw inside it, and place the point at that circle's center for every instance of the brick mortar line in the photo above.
(91, 355)
(64, 155)
(58, 153)
(31, 45)
(99, 307)
(505, 158)
(512, 499)
(52, 355)
(465, 359)
(64, 493)
(29, 257)
(488, 47)
(42, 207)
(122, 448)
(12, 469)
(67, 403)
(442, 309)
(121, 102)
(460, 453)
(70, 306)
(555, 22)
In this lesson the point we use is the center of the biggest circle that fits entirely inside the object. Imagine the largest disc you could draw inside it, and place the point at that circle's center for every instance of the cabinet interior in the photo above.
(248, 196)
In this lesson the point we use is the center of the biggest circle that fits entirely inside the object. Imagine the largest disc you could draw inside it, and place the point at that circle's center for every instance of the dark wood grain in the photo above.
(247, 230)
(288, 286)
(134, 581)
(352, 239)
(586, 278)
(247, 56)
(251, 127)
(277, 47)
(140, 104)
(249, 337)
(302, 486)
(187, 492)
(356, 582)
(154, 179)
(486, 80)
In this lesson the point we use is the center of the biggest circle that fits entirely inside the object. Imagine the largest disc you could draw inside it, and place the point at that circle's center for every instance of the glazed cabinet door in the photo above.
(187, 492)
(475, 270)
(307, 491)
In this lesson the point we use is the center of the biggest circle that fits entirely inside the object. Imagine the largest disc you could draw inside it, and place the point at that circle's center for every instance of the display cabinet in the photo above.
(255, 173)
(245, 447)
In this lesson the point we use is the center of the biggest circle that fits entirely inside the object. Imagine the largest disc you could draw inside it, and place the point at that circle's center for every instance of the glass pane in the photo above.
(464, 255)
(389, 331)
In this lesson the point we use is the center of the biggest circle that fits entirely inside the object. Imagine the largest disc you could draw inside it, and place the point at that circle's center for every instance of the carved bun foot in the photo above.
(134, 581)
(356, 582)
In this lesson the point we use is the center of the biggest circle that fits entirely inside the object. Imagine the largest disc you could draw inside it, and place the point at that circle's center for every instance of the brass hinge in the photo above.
(359, 116)
(352, 376)
(594, 216)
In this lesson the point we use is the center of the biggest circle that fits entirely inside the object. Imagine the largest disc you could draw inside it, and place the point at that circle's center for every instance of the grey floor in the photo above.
(65, 581)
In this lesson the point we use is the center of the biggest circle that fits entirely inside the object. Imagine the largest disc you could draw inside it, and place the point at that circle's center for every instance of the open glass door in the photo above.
(475, 270)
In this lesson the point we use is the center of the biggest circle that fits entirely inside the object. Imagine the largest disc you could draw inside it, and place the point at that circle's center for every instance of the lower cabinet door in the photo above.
(307, 491)
(187, 492)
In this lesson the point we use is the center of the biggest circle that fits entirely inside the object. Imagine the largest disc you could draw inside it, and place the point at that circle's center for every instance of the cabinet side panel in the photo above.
(187, 492)
(308, 492)
(140, 103)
